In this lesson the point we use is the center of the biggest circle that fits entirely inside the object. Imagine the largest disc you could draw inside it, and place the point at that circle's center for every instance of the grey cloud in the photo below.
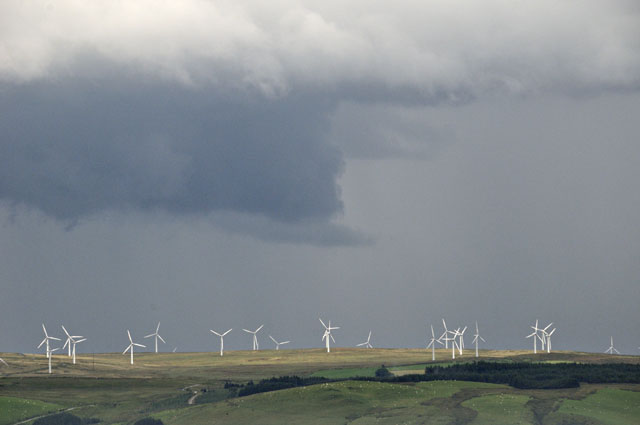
(74, 149)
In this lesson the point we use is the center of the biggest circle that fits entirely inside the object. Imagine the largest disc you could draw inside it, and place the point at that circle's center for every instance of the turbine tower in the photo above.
(157, 335)
(477, 336)
(131, 344)
(367, 343)
(255, 338)
(278, 344)
(221, 340)
(432, 344)
(611, 349)
(327, 334)
(46, 340)
(70, 340)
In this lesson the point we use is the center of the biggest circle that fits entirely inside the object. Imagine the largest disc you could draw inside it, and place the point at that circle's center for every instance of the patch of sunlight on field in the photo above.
(13, 409)
(332, 403)
(610, 406)
(496, 409)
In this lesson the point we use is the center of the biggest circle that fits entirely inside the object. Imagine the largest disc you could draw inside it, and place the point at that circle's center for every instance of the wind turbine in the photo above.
(69, 341)
(432, 345)
(453, 343)
(535, 336)
(461, 335)
(131, 344)
(278, 344)
(327, 334)
(548, 336)
(46, 340)
(221, 340)
(444, 334)
(477, 336)
(73, 351)
(49, 351)
(255, 338)
(157, 335)
(367, 343)
(611, 349)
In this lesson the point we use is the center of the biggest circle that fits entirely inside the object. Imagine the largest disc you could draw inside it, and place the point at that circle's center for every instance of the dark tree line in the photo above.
(518, 375)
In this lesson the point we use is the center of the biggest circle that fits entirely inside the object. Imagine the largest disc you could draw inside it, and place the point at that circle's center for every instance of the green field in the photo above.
(106, 387)
(13, 409)
(608, 406)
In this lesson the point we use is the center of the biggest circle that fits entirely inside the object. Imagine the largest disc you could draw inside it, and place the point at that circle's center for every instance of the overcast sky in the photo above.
(224, 164)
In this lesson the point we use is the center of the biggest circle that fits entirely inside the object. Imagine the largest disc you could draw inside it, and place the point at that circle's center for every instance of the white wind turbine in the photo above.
(432, 344)
(453, 342)
(477, 336)
(444, 334)
(548, 337)
(221, 340)
(46, 340)
(461, 335)
(367, 343)
(70, 340)
(49, 351)
(255, 338)
(327, 334)
(131, 344)
(535, 336)
(157, 336)
(611, 348)
(278, 344)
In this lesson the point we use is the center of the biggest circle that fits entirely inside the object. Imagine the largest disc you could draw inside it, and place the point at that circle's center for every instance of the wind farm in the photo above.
(326, 213)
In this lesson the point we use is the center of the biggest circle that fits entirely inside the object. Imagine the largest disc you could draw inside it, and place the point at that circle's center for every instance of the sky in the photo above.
(227, 164)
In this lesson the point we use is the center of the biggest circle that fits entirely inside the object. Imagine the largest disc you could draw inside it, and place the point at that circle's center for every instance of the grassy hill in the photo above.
(107, 387)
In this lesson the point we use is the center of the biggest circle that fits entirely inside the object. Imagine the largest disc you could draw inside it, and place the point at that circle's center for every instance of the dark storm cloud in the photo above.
(73, 149)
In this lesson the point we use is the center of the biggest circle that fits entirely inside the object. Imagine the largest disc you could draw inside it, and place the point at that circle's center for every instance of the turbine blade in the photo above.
(273, 339)
(127, 349)
(65, 331)
(129, 333)
(247, 331)
(318, 319)
(45, 330)
(43, 341)
(285, 342)
(158, 328)
(227, 332)
(161, 339)
(80, 340)
(257, 330)
(212, 331)
(53, 337)
(332, 338)
(140, 345)
(359, 345)
(149, 336)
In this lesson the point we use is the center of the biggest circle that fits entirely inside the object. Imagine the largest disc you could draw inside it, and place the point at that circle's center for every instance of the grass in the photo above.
(610, 406)
(500, 409)
(332, 403)
(14, 409)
